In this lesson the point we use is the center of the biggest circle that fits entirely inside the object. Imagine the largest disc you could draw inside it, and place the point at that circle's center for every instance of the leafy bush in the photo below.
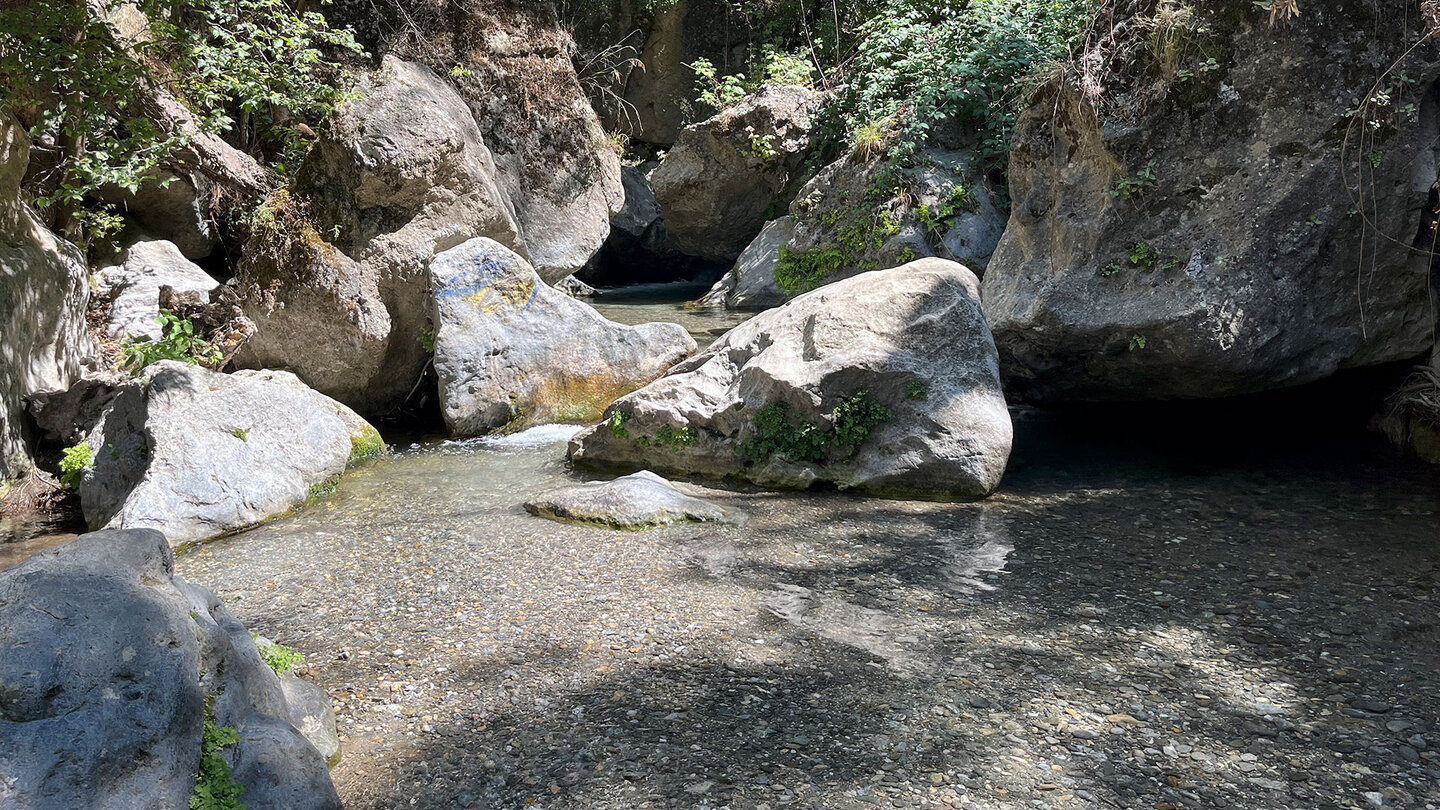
(923, 62)
(74, 461)
(278, 657)
(851, 423)
(177, 342)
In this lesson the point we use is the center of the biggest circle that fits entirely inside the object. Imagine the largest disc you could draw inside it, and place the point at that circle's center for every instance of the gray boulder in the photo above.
(751, 284)
(642, 500)
(510, 350)
(1197, 237)
(726, 173)
(886, 382)
(172, 207)
(198, 453)
(44, 290)
(132, 287)
(109, 667)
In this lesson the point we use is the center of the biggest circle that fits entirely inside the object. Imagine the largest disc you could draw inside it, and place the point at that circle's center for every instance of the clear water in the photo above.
(644, 303)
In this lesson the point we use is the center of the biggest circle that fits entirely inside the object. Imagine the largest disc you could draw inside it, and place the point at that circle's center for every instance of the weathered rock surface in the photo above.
(1206, 245)
(886, 382)
(197, 453)
(44, 290)
(171, 207)
(641, 500)
(751, 284)
(337, 284)
(727, 172)
(132, 287)
(107, 662)
(510, 350)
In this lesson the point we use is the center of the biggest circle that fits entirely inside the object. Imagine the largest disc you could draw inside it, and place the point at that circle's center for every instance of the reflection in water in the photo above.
(646, 303)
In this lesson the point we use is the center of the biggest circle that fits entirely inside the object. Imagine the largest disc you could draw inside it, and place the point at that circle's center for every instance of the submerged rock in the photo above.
(132, 287)
(1198, 237)
(110, 667)
(642, 500)
(197, 453)
(44, 289)
(510, 350)
(886, 382)
(726, 173)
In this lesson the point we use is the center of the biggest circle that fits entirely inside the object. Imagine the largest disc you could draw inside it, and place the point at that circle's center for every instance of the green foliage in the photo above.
(88, 88)
(676, 439)
(74, 461)
(324, 489)
(1137, 342)
(243, 434)
(850, 424)
(427, 340)
(796, 273)
(715, 90)
(177, 342)
(958, 200)
(617, 422)
(215, 789)
(1130, 186)
(924, 62)
(278, 657)
(1143, 256)
(916, 390)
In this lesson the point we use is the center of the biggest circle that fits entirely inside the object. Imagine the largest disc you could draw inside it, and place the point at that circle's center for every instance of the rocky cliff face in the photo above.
(44, 288)
(1206, 214)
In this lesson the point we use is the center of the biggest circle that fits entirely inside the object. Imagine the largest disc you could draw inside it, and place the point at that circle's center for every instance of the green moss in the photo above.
(366, 444)
(851, 423)
(796, 273)
(323, 489)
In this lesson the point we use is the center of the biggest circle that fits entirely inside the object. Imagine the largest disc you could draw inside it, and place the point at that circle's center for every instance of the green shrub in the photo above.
(675, 439)
(617, 422)
(177, 342)
(851, 423)
(74, 461)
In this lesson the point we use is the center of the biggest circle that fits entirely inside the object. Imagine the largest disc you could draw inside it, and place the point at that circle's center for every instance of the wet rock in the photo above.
(110, 667)
(132, 287)
(44, 290)
(510, 350)
(1169, 253)
(885, 382)
(312, 715)
(196, 453)
(726, 173)
(642, 500)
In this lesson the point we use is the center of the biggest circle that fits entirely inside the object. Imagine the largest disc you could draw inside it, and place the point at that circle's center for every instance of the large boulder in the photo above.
(856, 216)
(642, 500)
(132, 287)
(1202, 234)
(110, 668)
(509, 350)
(176, 208)
(44, 290)
(198, 453)
(335, 272)
(726, 173)
(886, 382)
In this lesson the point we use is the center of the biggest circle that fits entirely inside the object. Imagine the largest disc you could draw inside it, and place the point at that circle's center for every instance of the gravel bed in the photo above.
(1114, 633)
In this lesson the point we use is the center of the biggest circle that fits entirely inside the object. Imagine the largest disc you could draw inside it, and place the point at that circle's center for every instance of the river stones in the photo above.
(196, 453)
(132, 287)
(109, 667)
(642, 500)
(886, 382)
(512, 351)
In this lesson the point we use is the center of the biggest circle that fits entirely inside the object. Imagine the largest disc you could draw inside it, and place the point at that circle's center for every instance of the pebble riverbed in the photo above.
(1112, 630)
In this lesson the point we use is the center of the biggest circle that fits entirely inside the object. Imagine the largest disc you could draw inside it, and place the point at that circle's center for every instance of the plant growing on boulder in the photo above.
(74, 461)
(278, 657)
(850, 424)
(215, 789)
